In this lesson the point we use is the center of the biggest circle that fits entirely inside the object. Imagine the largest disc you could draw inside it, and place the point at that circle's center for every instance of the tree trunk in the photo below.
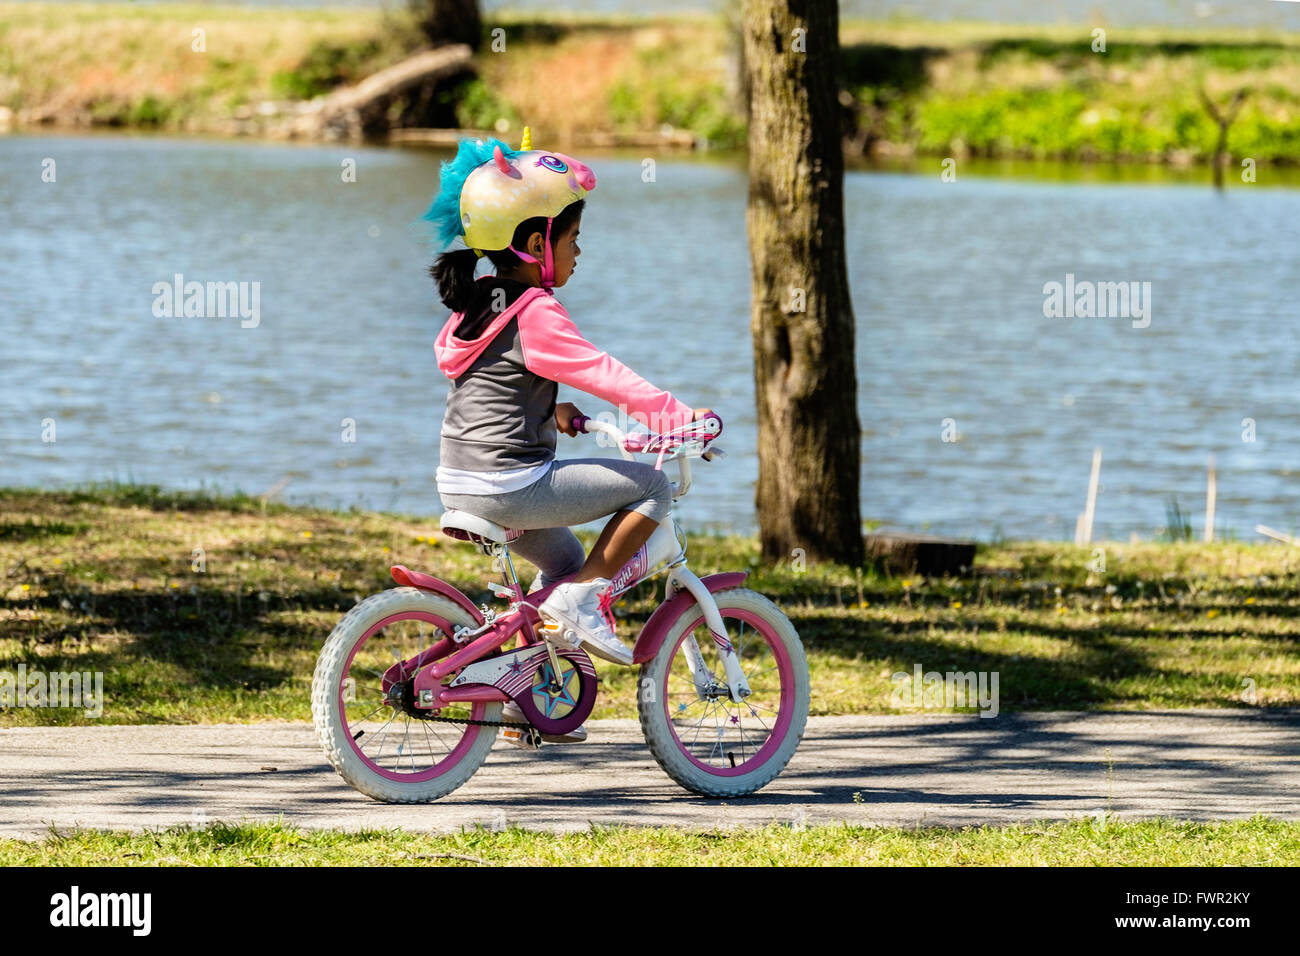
(809, 438)
(449, 21)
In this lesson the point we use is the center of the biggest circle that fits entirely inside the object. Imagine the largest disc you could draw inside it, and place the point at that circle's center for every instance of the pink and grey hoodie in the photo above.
(501, 402)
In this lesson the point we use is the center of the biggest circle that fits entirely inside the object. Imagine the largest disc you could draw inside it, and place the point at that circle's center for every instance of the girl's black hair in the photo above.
(453, 271)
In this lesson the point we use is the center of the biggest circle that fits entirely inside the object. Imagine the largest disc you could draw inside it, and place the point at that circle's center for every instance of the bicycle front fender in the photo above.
(656, 629)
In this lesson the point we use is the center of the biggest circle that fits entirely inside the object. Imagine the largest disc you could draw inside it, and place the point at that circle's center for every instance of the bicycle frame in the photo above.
(521, 618)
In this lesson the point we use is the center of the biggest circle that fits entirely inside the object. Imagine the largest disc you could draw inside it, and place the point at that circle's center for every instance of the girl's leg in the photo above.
(618, 541)
(557, 552)
(579, 490)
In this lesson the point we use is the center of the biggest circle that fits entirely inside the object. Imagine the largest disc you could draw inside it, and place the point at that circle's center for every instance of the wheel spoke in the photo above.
(367, 717)
(717, 738)
(755, 715)
(406, 741)
(701, 724)
(690, 703)
(749, 677)
(439, 736)
(383, 734)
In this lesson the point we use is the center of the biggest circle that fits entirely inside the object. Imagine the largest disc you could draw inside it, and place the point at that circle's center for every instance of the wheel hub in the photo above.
(401, 696)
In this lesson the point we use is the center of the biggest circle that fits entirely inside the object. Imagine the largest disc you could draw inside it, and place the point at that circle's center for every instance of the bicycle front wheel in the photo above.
(708, 743)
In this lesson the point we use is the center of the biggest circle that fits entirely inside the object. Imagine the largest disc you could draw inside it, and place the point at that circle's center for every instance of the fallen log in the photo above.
(348, 112)
(900, 553)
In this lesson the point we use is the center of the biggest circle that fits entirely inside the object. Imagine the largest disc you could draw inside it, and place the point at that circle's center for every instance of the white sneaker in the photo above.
(582, 613)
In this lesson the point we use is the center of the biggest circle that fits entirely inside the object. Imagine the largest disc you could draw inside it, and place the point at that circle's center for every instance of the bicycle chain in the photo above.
(477, 723)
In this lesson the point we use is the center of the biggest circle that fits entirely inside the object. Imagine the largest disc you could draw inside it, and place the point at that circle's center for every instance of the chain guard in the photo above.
(558, 714)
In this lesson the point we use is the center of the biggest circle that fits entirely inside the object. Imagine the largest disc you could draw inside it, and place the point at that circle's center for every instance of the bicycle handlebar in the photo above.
(687, 442)
(703, 431)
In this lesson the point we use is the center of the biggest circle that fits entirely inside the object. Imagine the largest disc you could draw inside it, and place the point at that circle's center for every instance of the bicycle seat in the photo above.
(467, 527)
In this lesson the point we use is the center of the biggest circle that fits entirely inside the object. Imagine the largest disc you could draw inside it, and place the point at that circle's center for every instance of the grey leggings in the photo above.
(571, 492)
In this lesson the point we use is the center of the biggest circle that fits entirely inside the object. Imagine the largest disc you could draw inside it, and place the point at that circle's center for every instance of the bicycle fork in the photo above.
(681, 577)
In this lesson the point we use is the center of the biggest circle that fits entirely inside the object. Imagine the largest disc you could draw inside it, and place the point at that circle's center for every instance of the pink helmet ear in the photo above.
(584, 175)
(499, 158)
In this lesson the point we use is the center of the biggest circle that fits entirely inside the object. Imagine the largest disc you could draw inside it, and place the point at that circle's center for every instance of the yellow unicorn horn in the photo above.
(527, 142)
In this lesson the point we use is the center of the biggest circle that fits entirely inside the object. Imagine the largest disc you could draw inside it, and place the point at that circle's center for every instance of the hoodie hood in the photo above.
(454, 354)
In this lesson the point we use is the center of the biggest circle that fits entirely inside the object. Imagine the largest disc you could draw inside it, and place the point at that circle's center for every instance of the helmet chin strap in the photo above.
(548, 264)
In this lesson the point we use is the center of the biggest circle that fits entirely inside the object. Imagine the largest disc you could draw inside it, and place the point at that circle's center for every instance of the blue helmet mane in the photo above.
(445, 211)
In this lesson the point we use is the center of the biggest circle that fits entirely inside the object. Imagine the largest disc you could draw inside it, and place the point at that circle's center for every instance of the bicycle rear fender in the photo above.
(427, 582)
(656, 629)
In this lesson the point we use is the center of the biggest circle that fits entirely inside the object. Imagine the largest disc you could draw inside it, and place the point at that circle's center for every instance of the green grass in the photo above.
(992, 91)
(1259, 841)
(198, 608)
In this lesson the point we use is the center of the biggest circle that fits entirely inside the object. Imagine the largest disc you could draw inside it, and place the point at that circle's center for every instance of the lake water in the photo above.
(948, 287)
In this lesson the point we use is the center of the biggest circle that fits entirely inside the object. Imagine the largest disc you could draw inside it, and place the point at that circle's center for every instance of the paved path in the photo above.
(908, 770)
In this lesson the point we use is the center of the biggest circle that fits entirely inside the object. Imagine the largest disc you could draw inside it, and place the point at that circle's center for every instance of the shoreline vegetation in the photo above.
(908, 89)
(198, 608)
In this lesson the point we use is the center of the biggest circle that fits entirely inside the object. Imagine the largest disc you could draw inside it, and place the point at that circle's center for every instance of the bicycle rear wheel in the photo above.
(370, 730)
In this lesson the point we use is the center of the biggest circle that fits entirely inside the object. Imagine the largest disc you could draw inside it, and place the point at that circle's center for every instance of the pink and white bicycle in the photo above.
(408, 689)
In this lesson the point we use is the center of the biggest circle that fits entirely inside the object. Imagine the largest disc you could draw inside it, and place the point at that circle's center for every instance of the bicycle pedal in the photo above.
(525, 739)
(561, 635)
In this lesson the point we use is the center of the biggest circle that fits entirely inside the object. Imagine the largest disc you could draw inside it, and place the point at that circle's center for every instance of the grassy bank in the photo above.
(1109, 842)
(135, 65)
(909, 88)
(128, 65)
(1052, 95)
(202, 609)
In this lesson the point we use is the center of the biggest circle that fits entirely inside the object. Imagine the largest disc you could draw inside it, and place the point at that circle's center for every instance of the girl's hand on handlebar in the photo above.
(565, 413)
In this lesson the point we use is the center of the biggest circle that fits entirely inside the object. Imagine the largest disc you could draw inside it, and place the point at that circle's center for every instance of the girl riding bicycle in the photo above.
(506, 345)
(414, 684)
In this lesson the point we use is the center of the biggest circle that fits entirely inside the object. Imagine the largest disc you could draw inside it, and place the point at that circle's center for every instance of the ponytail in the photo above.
(454, 274)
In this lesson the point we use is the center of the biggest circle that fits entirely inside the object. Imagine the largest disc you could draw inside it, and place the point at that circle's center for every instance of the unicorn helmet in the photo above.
(495, 191)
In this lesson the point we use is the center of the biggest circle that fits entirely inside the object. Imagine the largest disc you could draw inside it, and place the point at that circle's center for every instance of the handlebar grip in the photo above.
(712, 423)
(579, 423)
